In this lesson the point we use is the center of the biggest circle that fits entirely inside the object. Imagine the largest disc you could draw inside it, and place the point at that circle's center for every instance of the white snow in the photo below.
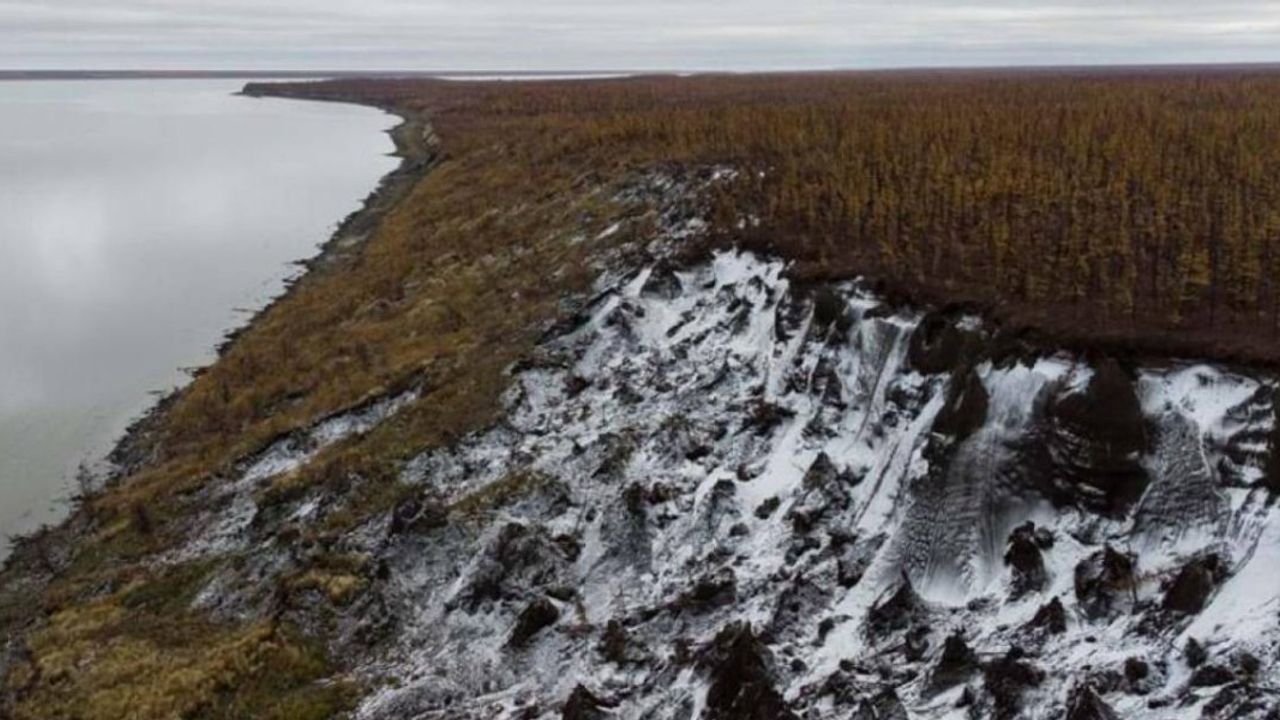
(1249, 601)
(224, 528)
(665, 423)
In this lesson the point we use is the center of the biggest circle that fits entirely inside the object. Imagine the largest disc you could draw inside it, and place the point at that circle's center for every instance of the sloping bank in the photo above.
(407, 302)
(538, 448)
(89, 568)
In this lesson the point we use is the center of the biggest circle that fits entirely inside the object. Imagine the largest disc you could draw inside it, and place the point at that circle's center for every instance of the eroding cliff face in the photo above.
(717, 495)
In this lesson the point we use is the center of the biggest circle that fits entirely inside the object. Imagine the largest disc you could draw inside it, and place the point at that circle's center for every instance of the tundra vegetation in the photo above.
(1135, 209)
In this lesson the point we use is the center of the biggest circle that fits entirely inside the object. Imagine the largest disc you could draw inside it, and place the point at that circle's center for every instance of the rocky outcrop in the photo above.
(1096, 435)
(1271, 464)
(1105, 581)
(965, 409)
(939, 345)
(519, 559)
(825, 492)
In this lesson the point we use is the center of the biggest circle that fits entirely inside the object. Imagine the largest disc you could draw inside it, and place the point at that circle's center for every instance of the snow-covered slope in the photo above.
(718, 495)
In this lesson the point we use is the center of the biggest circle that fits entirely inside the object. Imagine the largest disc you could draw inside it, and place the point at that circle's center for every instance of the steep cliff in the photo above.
(712, 494)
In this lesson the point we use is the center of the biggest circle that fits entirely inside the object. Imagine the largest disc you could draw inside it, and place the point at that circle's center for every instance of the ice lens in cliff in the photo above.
(135, 218)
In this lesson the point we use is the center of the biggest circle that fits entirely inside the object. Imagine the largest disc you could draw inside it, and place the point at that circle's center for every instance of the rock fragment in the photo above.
(1105, 580)
(1006, 679)
(1025, 560)
(1086, 705)
(536, 616)
(1190, 590)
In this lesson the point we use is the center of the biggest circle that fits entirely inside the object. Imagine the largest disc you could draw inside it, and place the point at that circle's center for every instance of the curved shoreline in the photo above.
(33, 563)
(417, 147)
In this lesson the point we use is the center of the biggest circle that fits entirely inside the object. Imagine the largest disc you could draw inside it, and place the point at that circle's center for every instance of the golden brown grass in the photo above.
(451, 287)
(1128, 206)
(141, 653)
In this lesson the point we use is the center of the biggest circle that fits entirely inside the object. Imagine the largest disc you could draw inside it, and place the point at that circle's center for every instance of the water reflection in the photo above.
(135, 218)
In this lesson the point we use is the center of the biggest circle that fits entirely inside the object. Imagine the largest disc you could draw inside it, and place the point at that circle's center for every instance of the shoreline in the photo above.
(416, 146)
(418, 149)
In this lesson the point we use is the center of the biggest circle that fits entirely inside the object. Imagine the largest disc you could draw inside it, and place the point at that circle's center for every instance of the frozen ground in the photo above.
(715, 494)
(723, 496)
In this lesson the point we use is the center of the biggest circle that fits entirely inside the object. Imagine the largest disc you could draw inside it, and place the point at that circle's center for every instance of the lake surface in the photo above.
(139, 221)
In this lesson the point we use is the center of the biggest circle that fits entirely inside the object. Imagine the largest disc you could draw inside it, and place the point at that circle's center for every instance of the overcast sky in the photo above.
(613, 34)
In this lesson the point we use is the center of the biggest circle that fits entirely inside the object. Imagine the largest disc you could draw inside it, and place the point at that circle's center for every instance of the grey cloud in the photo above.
(658, 34)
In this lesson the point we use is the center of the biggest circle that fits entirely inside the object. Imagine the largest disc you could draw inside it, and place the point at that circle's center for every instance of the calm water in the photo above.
(138, 220)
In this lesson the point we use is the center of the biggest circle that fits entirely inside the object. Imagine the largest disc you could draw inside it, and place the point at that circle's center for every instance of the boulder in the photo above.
(418, 514)
(956, 663)
(797, 605)
(1248, 664)
(739, 667)
(1136, 670)
(1241, 700)
(710, 591)
(582, 704)
(1104, 580)
(791, 314)
(1212, 676)
(825, 490)
(1194, 653)
(1006, 679)
(854, 559)
(1051, 616)
(1026, 562)
(841, 688)
(1190, 590)
(537, 615)
(616, 643)
(823, 475)
(883, 706)
(902, 610)
(663, 283)
(764, 417)
(831, 317)
(1086, 705)
(767, 507)
(916, 643)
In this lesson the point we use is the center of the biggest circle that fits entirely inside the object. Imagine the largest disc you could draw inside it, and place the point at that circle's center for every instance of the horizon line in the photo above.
(160, 73)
